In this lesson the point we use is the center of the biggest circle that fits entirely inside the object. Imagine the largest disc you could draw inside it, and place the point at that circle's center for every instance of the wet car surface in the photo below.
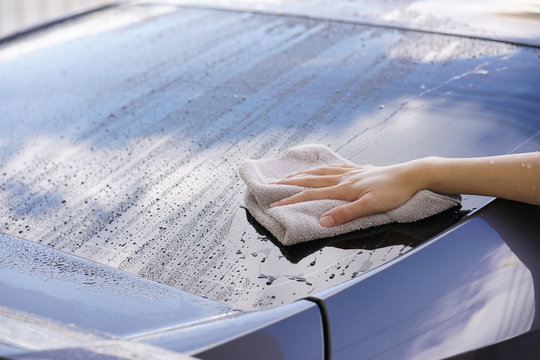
(122, 133)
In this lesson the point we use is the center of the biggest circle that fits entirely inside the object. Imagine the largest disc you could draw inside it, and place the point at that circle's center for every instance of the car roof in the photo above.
(123, 132)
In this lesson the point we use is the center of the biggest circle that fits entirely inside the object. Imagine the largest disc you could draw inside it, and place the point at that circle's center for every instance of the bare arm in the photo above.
(372, 189)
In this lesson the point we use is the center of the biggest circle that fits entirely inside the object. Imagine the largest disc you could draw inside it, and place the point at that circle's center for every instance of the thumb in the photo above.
(345, 213)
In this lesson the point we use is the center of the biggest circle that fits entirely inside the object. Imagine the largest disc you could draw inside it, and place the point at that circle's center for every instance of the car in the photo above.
(123, 227)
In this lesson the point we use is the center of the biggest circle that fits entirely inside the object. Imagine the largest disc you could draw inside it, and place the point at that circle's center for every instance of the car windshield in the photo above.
(122, 134)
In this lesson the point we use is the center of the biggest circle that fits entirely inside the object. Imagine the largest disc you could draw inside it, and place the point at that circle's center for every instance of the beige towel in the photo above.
(297, 223)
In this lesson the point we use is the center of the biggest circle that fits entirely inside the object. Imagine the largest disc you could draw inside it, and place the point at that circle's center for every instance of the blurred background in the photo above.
(20, 15)
(514, 19)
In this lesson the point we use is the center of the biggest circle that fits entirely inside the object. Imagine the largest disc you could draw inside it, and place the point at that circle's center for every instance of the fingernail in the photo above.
(327, 221)
(274, 204)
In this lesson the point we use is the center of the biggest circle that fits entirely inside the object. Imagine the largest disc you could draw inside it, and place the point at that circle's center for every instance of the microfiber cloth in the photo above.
(297, 223)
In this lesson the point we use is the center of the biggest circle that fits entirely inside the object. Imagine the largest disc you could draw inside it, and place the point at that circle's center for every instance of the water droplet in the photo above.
(381, 106)
(312, 263)
(270, 280)
(492, 162)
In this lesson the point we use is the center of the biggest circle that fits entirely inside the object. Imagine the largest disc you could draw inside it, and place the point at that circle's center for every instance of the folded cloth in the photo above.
(297, 223)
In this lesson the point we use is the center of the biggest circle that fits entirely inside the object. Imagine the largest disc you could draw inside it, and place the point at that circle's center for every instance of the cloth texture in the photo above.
(297, 223)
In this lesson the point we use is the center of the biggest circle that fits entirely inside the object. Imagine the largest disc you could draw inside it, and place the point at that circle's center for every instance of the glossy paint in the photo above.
(103, 350)
(122, 133)
(287, 331)
(38, 280)
(471, 287)
(299, 336)
(523, 347)
(62, 305)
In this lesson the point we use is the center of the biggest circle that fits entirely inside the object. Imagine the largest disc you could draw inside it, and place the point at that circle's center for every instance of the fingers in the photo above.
(332, 169)
(308, 195)
(333, 182)
(345, 213)
(310, 181)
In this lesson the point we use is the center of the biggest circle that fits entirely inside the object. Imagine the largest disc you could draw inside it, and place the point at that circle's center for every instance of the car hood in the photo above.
(122, 133)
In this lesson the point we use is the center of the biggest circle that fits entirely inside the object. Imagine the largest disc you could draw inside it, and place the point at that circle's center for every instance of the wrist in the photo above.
(421, 173)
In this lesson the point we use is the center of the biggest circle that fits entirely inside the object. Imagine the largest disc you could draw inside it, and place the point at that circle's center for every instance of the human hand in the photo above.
(370, 189)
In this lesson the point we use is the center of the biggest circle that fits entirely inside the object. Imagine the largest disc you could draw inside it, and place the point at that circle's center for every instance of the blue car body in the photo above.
(122, 227)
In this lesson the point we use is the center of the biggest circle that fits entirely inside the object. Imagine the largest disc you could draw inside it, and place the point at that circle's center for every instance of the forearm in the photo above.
(514, 177)
(375, 189)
